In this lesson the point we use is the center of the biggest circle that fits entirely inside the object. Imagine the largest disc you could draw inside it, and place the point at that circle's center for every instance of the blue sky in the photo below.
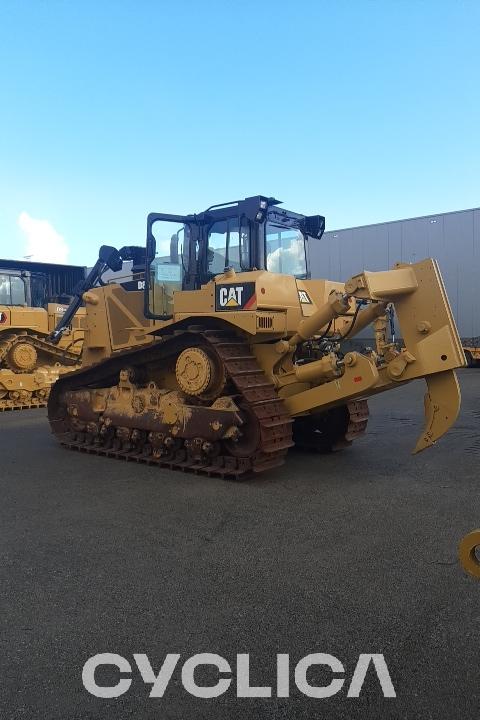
(362, 111)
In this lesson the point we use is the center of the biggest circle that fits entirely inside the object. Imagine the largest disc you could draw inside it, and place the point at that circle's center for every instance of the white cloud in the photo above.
(42, 242)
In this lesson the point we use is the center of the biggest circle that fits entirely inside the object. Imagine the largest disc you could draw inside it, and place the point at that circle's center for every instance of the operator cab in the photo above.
(35, 284)
(185, 252)
(24, 289)
(14, 288)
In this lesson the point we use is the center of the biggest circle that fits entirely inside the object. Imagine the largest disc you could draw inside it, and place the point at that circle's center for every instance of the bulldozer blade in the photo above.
(442, 405)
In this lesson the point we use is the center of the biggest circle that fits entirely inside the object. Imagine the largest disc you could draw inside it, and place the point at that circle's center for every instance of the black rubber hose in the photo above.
(353, 321)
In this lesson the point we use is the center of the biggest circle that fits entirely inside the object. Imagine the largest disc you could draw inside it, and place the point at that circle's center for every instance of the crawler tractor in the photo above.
(220, 352)
(33, 299)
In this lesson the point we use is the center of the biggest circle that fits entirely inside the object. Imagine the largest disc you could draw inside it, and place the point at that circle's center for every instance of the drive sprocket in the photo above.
(22, 357)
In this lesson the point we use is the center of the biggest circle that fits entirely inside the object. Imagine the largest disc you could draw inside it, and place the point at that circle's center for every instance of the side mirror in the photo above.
(111, 257)
(315, 226)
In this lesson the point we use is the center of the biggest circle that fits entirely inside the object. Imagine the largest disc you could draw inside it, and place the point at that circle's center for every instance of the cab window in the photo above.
(285, 250)
(12, 290)
(17, 290)
(167, 268)
(228, 246)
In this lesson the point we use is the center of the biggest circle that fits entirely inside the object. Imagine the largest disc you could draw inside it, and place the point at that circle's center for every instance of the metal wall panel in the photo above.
(451, 238)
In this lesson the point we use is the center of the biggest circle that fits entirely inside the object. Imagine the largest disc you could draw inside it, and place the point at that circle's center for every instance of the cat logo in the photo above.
(235, 297)
(231, 297)
(304, 297)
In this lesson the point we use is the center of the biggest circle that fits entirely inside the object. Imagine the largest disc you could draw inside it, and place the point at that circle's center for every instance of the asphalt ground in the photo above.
(344, 554)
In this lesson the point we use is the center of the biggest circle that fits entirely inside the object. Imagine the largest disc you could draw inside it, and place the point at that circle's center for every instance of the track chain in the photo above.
(333, 429)
(255, 394)
(32, 404)
(64, 357)
(17, 398)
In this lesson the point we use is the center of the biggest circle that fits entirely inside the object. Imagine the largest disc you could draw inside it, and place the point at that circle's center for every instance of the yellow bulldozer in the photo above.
(33, 299)
(220, 353)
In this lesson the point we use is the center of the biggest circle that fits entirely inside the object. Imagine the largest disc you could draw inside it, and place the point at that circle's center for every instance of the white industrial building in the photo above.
(452, 238)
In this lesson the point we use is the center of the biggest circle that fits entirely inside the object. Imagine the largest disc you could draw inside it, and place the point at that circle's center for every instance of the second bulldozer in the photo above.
(33, 298)
(222, 352)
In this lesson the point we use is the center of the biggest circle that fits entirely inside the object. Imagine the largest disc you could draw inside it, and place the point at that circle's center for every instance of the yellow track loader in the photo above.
(220, 352)
(33, 300)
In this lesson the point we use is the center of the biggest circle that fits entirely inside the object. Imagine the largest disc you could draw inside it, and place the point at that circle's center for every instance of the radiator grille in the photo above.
(265, 322)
